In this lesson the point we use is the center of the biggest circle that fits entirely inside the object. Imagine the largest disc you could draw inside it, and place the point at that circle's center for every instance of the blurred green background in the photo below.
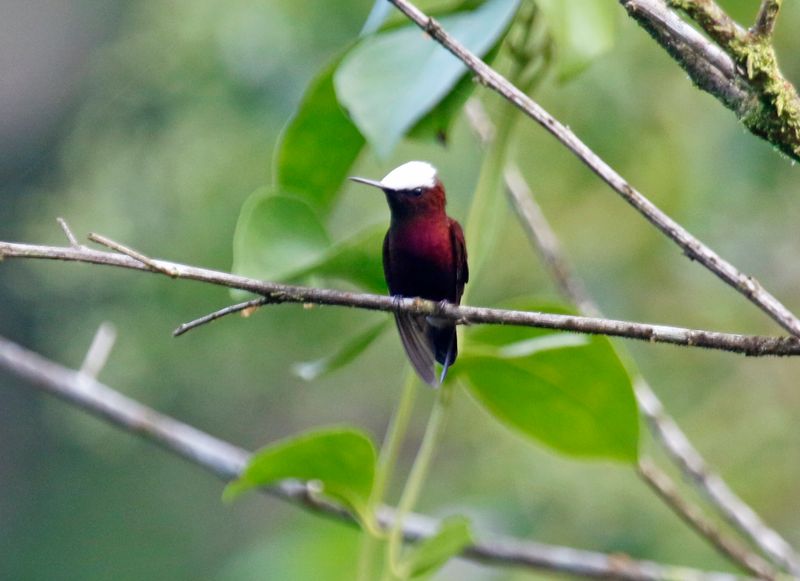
(152, 121)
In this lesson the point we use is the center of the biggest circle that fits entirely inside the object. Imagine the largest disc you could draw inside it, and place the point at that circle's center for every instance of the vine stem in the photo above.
(416, 479)
(390, 450)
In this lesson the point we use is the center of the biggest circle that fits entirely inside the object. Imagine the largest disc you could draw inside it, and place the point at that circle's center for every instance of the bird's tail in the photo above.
(445, 346)
(426, 340)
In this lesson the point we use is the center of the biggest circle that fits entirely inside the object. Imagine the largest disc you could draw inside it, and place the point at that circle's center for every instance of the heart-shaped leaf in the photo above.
(340, 459)
(311, 370)
(395, 19)
(392, 79)
(377, 16)
(452, 537)
(358, 260)
(570, 393)
(318, 146)
(281, 238)
(435, 125)
(277, 236)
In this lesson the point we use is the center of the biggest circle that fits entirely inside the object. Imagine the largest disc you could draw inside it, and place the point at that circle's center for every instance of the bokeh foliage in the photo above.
(173, 129)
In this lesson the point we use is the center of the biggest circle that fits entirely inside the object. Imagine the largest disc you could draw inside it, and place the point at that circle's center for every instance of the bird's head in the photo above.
(411, 189)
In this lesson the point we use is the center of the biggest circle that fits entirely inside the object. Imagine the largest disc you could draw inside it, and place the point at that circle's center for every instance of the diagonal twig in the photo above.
(276, 293)
(211, 317)
(135, 254)
(97, 355)
(544, 240)
(665, 488)
(68, 233)
(227, 461)
(690, 245)
(716, 490)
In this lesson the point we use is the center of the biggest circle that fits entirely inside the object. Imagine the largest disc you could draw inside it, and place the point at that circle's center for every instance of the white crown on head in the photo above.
(414, 174)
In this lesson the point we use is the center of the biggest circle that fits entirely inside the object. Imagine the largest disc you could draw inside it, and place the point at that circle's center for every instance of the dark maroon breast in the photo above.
(420, 261)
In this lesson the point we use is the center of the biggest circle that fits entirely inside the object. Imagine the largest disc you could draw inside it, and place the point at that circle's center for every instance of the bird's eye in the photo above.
(416, 191)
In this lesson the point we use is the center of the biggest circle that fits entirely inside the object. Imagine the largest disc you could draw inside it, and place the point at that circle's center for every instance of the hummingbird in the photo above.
(425, 256)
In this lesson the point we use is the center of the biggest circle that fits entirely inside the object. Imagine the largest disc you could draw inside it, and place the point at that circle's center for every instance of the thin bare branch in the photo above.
(693, 516)
(479, 121)
(690, 245)
(711, 484)
(68, 233)
(546, 243)
(136, 255)
(227, 461)
(99, 350)
(663, 427)
(211, 317)
(766, 18)
(275, 293)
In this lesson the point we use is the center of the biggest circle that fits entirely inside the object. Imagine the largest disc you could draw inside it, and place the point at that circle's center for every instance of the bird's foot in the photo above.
(397, 302)
(442, 306)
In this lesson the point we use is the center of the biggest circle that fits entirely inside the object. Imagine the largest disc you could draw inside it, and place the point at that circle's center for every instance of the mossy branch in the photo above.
(736, 65)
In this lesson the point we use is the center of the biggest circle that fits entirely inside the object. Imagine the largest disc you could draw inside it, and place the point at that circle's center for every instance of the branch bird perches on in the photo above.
(276, 293)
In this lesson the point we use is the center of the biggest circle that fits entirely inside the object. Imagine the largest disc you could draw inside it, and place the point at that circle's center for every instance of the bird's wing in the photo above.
(413, 329)
(460, 259)
(387, 271)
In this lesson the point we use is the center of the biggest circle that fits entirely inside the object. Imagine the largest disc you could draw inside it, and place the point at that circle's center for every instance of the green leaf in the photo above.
(392, 79)
(276, 236)
(582, 32)
(281, 238)
(325, 544)
(570, 393)
(358, 260)
(436, 123)
(318, 145)
(377, 16)
(311, 370)
(341, 459)
(434, 8)
(452, 537)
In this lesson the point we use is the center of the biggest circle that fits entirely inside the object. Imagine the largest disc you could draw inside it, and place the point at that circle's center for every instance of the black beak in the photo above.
(365, 181)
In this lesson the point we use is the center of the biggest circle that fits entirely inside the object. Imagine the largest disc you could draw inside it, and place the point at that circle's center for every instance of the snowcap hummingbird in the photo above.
(424, 255)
